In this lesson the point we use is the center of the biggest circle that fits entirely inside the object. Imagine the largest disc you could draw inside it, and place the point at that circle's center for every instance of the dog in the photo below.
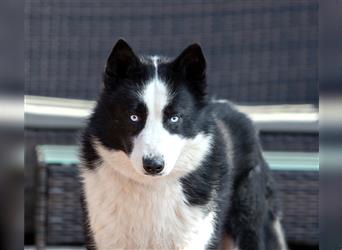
(165, 167)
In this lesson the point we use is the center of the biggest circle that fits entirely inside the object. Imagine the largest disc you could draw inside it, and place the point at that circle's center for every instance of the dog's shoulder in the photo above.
(239, 135)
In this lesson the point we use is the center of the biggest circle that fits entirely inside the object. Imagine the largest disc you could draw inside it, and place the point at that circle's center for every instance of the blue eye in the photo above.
(174, 119)
(134, 118)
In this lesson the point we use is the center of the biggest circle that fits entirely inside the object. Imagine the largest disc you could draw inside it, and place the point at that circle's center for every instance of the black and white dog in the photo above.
(165, 168)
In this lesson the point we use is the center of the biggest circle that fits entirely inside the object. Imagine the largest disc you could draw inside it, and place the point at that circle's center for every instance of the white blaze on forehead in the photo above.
(155, 62)
(155, 94)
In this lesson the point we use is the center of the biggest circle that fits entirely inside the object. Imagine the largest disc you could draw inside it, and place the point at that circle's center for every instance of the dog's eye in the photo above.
(174, 119)
(134, 118)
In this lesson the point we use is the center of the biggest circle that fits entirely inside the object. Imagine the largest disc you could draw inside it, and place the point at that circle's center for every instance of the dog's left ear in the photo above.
(191, 63)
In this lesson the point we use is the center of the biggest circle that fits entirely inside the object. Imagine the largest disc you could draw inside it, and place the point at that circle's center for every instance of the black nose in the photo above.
(153, 166)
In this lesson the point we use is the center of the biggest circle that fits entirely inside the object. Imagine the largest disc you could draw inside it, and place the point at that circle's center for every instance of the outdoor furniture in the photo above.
(59, 217)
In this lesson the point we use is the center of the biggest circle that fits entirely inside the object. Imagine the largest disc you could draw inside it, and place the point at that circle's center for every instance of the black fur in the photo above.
(242, 191)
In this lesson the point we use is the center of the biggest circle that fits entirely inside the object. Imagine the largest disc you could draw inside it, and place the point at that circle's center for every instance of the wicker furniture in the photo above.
(298, 193)
(59, 219)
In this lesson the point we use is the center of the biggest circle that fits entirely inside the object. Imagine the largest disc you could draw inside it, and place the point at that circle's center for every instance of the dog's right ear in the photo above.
(121, 62)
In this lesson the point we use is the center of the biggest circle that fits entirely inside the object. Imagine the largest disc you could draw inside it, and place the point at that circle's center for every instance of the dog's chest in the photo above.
(127, 215)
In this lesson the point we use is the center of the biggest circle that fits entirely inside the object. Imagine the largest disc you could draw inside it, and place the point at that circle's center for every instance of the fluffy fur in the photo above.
(164, 168)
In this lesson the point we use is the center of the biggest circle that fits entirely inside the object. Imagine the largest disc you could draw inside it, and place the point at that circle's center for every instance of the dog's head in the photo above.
(151, 110)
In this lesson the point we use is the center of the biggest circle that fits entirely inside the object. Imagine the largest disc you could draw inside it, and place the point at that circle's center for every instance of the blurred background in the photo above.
(262, 55)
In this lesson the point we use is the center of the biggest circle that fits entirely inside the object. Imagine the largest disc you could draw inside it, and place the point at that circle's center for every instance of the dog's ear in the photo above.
(191, 63)
(121, 61)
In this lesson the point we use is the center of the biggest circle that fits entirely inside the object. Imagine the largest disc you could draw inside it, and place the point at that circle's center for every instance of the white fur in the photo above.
(219, 101)
(192, 155)
(280, 234)
(125, 214)
(227, 136)
(203, 233)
